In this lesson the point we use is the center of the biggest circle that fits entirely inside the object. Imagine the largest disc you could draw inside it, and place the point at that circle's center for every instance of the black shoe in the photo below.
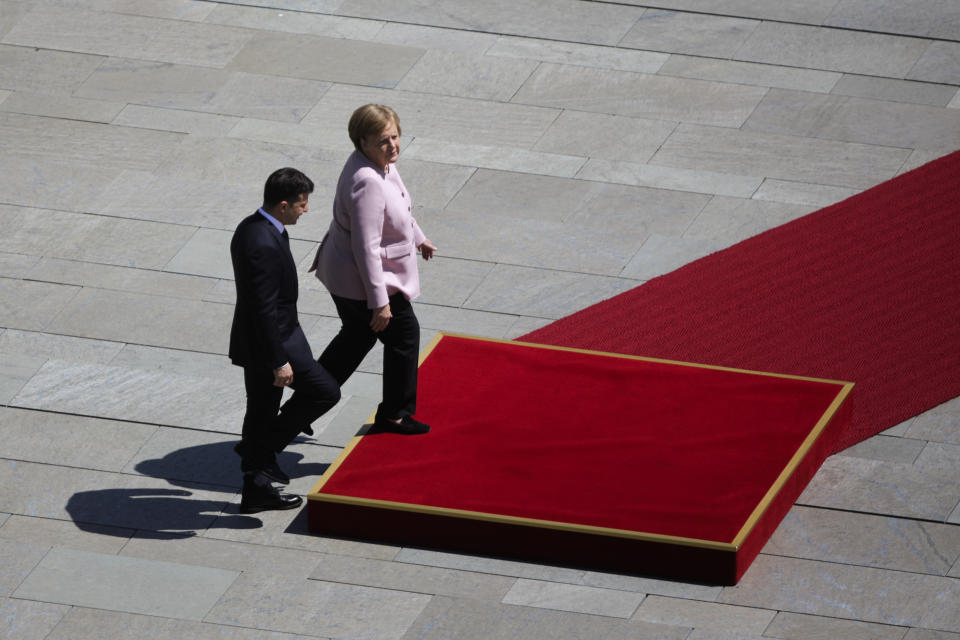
(407, 426)
(260, 495)
(307, 430)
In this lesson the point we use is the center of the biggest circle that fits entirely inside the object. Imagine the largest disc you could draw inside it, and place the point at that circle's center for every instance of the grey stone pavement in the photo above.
(558, 152)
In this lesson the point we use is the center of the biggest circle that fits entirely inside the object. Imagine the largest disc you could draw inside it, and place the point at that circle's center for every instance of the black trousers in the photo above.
(401, 350)
(267, 432)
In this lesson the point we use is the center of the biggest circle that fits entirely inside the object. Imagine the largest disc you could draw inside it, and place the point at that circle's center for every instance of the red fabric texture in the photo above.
(866, 290)
(588, 439)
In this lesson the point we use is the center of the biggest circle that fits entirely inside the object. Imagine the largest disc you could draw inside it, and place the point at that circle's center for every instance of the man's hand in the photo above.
(381, 318)
(427, 249)
(283, 376)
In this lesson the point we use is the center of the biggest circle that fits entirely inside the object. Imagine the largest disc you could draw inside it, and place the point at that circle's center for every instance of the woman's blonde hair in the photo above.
(370, 120)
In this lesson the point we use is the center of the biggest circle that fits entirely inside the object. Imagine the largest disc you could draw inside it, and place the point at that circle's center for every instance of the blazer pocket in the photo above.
(396, 250)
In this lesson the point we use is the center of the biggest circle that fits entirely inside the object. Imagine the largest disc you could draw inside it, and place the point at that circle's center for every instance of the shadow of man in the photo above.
(190, 504)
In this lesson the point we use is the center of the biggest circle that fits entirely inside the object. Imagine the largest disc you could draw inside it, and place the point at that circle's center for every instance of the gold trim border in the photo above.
(761, 508)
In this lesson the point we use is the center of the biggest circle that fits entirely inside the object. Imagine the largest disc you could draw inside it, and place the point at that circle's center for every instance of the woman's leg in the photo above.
(401, 350)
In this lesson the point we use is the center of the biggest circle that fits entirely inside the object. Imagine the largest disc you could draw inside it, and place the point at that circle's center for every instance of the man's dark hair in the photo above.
(286, 184)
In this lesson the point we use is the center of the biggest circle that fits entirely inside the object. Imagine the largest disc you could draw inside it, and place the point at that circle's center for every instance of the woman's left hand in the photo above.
(427, 249)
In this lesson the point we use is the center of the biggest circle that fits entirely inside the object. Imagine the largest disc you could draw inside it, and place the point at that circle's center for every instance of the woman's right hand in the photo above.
(381, 318)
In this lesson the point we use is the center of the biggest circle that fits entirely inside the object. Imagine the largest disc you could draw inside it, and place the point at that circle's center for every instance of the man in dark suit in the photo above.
(268, 342)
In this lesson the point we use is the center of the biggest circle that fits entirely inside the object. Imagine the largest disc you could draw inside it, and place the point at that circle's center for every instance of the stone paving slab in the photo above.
(31, 305)
(639, 95)
(810, 12)
(177, 120)
(29, 620)
(39, 104)
(44, 70)
(937, 427)
(414, 578)
(449, 281)
(793, 626)
(322, 58)
(49, 532)
(752, 73)
(718, 617)
(91, 238)
(578, 54)
(537, 244)
(288, 530)
(85, 143)
(81, 623)
(15, 371)
(938, 95)
(731, 220)
(890, 124)
(90, 443)
(545, 294)
(140, 395)
(19, 559)
(668, 178)
(939, 63)
(892, 449)
(567, 19)
(295, 564)
(786, 157)
(927, 489)
(439, 117)
(102, 581)
(50, 26)
(260, 16)
(490, 157)
(122, 278)
(436, 38)
(459, 618)
(574, 598)
(795, 45)
(15, 265)
(933, 18)
(849, 592)
(466, 75)
(496, 566)
(144, 319)
(867, 540)
(689, 33)
(579, 133)
(32, 181)
(813, 195)
(279, 603)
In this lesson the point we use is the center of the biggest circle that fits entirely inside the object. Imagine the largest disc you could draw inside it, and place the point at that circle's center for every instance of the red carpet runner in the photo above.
(866, 290)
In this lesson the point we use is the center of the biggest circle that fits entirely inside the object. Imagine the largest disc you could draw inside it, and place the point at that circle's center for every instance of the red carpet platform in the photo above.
(582, 458)
(864, 290)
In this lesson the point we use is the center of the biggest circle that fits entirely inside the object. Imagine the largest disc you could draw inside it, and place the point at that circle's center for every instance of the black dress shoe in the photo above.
(259, 495)
(407, 426)
(308, 430)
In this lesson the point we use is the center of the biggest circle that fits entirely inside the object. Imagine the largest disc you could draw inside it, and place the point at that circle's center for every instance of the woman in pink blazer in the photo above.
(368, 263)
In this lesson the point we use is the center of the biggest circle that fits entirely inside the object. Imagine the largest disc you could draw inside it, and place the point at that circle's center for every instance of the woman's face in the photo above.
(383, 149)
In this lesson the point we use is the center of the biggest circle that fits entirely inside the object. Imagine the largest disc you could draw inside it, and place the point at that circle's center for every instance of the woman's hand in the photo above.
(381, 318)
(427, 249)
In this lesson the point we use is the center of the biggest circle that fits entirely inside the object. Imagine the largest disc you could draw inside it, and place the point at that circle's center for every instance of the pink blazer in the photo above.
(370, 250)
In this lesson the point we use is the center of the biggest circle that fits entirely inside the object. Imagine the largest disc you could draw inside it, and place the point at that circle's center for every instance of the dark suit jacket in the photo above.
(266, 331)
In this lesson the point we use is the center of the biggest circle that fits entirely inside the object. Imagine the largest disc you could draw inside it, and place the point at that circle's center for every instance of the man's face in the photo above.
(289, 213)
